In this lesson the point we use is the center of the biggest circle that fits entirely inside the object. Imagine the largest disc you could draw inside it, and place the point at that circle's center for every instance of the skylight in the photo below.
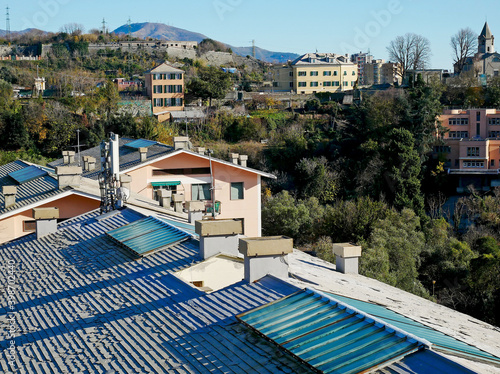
(27, 174)
(140, 143)
(328, 335)
(148, 235)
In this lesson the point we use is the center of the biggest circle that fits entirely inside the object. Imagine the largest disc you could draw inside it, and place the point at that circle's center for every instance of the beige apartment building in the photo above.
(165, 87)
(380, 72)
(316, 72)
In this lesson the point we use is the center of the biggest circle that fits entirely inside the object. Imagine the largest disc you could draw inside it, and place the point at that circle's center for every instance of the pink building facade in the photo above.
(472, 146)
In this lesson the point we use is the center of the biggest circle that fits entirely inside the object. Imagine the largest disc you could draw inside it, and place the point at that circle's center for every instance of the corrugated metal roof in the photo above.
(82, 306)
(129, 157)
(147, 235)
(440, 342)
(329, 335)
(27, 174)
(29, 192)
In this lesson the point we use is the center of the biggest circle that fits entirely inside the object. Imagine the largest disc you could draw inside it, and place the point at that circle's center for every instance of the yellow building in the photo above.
(316, 72)
(165, 87)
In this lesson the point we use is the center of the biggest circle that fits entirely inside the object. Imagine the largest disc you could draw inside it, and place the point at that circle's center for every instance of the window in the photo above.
(237, 191)
(178, 101)
(352, 83)
(302, 73)
(478, 116)
(494, 134)
(472, 151)
(276, 84)
(345, 72)
(458, 134)
(336, 84)
(182, 171)
(29, 226)
(335, 73)
(473, 164)
(327, 73)
(314, 84)
(314, 73)
(458, 121)
(200, 192)
(290, 74)
(345, 84)
(492, 163)
(327, 84)
(493, 121)
(291, 84)
(353, 73)
(302, 84)
(158, 102)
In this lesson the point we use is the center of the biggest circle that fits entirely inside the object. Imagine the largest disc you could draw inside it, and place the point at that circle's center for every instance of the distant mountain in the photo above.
(3, 33)
(265, 55)
(164, 32)
(159, 31)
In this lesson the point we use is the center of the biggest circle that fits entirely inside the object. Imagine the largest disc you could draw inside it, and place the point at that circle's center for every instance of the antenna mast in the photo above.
(7, 24)
(253, 48)
(129, 26)
(103, 26)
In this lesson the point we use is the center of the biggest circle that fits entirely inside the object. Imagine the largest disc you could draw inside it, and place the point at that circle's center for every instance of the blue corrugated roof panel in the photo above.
(140, 143)
(440, 341)
(27, 174)
(329, 335)
(425, 362)
(148, 235)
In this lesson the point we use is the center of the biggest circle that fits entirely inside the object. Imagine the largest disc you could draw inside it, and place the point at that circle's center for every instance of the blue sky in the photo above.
(279, 25)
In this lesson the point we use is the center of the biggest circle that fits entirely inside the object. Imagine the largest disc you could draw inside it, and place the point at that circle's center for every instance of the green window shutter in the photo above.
(237, 191)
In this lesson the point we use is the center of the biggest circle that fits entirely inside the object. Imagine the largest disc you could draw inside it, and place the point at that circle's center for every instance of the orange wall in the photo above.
(248, 208)
(69, 206)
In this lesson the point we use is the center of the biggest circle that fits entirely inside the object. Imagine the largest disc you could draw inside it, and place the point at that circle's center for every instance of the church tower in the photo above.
(486, 40)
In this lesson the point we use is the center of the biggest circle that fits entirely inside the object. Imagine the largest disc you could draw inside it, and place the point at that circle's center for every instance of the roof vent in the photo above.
(219, 236)
(266, 255)
(89, 163)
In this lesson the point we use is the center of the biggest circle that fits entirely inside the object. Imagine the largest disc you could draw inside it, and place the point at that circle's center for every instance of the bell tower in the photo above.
(486, 40)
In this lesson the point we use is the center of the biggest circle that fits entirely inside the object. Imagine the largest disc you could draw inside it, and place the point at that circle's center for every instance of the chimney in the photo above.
(125, 181)
(347, 257)
(243, 160)
(178, 200)
(200, 150)
(266, 255)
(182, 142)
(165, 197)
(46, 221)
(143, 152)
(234, 158)
(68, 157)
(68, 176)
(219, 236)
(195, 210)
(9, 195)
(89, 163)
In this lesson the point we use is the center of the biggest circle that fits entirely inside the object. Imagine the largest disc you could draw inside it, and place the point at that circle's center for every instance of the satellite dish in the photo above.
(123, 193)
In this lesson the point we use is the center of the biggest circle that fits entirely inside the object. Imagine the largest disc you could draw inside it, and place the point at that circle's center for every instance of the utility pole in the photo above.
(253, 49)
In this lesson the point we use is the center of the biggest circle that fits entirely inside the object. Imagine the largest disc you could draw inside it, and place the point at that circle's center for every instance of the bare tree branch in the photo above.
(410, 51)
(464, 45)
